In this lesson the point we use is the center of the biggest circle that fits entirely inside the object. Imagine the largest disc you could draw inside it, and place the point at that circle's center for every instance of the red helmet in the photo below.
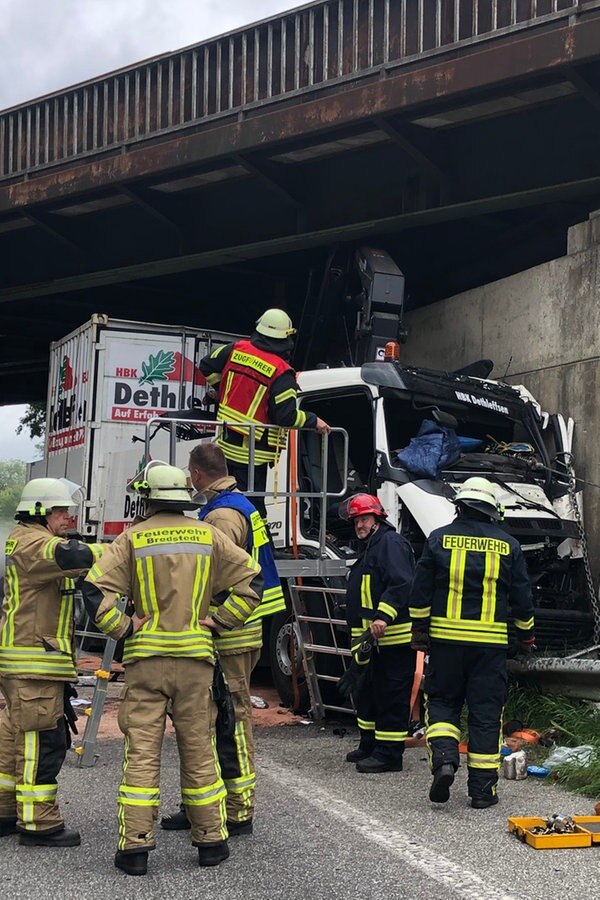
(362, 505)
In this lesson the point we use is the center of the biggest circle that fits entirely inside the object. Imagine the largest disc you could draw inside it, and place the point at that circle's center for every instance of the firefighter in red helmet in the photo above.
(378, 588)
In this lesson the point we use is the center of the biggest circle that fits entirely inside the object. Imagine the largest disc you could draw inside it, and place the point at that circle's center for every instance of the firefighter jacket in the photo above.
(233, 514)
(256, 386)
(470, 576)
(170, 566)
(37, 623)
(379, 586)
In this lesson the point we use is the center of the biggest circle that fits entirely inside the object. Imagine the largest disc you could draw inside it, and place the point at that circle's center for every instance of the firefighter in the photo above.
(170, 565)
(37, 661)
(469, 575)
(377, 599)
(257, 385)
(239, 650)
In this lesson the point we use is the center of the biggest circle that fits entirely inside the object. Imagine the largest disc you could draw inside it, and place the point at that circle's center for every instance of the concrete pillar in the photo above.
(543, 326)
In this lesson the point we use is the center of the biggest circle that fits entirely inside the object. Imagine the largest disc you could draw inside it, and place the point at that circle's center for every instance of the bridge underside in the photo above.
(465, 169)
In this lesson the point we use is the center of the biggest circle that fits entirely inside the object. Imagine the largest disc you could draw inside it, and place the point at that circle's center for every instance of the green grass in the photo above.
(576, 722)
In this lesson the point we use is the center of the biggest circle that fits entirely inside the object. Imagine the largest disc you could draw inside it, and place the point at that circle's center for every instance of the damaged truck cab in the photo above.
(502, 434)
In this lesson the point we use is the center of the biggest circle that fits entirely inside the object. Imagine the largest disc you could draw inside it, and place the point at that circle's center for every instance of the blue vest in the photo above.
(259, 547)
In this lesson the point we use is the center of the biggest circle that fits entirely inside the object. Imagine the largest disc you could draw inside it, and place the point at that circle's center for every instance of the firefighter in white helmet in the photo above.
(170, 566)
(471, 576)
(257, 386)
(37, 660)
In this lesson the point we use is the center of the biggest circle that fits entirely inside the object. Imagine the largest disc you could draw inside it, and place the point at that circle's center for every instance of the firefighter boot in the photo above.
(135, 863)
(212, 854)
(65, 837)
(374, 765)
(238, 828)
(177, 821)
(443, 777)
(8, 826)
(365, 748)
(483, 802)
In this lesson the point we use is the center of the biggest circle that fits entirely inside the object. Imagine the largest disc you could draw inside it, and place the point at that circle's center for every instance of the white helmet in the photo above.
(480, 494)
(41, 495)
(161, 482)
(275, 323)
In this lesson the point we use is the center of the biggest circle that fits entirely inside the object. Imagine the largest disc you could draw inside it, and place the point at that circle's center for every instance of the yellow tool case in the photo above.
(521, 827)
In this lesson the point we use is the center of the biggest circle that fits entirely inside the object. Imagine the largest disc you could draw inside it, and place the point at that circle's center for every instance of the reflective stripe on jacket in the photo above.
(470, 575)
(36, 627)
(170, 566)
(379, 586)
(243, 398)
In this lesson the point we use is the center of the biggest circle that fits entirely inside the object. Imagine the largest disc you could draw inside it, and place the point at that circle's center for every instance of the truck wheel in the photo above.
(281, 653)
(283, 648)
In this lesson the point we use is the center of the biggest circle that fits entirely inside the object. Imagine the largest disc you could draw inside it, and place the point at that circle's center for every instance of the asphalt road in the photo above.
(322, 831)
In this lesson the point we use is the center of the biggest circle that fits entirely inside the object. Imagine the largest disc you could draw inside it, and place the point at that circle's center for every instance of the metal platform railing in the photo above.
(210, 429)
(311, 47)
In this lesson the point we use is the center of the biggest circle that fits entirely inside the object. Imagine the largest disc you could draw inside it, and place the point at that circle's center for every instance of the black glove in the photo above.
(420, 641)
(357, 673)
(225, 725)
(70, 714)
(362, 649)
(528, 646)
(353, 680)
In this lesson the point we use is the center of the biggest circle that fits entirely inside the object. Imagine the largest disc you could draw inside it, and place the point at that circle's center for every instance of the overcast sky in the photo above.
(47, 45)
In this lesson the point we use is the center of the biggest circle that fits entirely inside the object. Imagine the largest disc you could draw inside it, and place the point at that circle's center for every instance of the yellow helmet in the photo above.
(41, 495)
(163, 483)
(275, 323)
(480, 494)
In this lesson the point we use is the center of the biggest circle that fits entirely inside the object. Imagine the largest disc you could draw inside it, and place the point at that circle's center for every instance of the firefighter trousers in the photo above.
(475, 674)
(383, 703)
(33, 746)
(236, 753)
(149, 685)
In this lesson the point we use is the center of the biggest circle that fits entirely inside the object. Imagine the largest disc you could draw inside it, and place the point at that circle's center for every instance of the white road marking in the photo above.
(430, 863)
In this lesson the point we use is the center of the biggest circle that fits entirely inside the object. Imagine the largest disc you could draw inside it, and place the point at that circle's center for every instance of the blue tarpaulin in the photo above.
(434, 448)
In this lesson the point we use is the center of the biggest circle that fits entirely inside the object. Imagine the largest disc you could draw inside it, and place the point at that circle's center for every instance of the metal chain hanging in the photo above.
(593, 597)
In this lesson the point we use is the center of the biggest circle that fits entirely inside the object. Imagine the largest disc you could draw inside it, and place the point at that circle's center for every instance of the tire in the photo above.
(281, 653)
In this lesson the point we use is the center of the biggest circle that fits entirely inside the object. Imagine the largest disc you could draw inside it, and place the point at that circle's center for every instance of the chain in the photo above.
(593, 597)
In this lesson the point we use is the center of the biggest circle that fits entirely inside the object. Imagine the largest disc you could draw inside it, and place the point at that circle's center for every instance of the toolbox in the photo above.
(591, 824)
(521, 827)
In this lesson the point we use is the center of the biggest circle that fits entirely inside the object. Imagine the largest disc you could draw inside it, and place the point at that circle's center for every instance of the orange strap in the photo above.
(415, 695)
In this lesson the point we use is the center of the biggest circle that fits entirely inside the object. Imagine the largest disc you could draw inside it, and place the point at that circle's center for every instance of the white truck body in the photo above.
(106, 380)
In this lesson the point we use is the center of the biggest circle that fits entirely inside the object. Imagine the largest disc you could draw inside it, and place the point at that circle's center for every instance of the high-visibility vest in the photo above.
(244, 398)
(260, 549)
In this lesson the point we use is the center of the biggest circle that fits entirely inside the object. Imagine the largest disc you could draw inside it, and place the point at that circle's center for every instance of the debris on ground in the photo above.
(258, 702)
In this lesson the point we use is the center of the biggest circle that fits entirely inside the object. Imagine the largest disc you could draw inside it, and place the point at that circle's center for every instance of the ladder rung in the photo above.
(331, 651)
(321, 620)
(341, 709)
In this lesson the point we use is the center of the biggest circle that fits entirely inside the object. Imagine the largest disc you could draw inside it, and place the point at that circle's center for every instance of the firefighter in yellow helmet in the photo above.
(257, 385)
(239, 649)
(470, 577)
(170, 566)
(37, 661)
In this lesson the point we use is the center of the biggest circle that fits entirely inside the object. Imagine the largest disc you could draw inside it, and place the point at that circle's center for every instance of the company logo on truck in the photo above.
(68, 408)
(164, 380)
(482, 401)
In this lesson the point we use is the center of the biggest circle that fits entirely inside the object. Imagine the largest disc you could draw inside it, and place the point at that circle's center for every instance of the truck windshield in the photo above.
(489, 440)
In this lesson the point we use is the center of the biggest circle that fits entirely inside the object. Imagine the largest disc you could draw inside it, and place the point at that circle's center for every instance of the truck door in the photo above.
(351, 409)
